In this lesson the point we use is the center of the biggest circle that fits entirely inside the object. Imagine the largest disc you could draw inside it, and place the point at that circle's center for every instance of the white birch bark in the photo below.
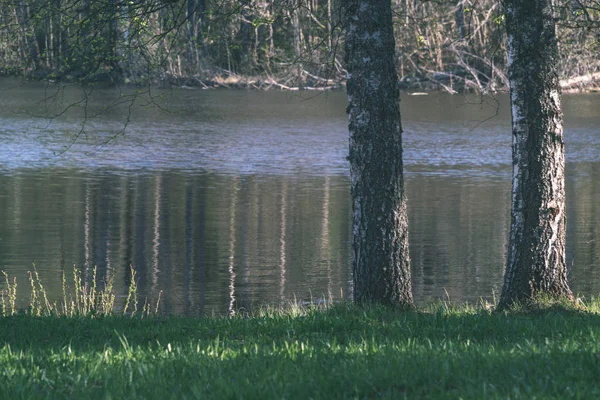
(380, 237)
(536, 254)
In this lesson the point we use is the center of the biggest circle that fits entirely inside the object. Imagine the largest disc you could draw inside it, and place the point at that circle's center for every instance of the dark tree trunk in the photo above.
(201, 21)
(380, 243)
(536, 251)
(460, 19)
(192, 35)
(113, 35)
(244, 38)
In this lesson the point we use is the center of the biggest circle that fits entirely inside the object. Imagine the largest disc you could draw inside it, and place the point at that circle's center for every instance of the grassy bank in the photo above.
(340, 352)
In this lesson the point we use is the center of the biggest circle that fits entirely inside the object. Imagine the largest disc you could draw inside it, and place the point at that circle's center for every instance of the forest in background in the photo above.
(452, 45)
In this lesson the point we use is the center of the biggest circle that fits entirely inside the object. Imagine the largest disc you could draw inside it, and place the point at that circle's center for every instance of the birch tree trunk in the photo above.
(536, 253)
(380, 238)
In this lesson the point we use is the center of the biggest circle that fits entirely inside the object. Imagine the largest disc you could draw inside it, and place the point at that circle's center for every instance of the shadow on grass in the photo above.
(341, 324)
(325, 354)
(341, 352)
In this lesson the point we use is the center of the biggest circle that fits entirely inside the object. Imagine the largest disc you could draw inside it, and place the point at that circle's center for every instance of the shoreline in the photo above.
(589, 83)
(436, 83)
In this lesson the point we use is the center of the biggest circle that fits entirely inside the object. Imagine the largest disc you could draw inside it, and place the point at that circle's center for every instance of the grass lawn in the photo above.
(343, 351)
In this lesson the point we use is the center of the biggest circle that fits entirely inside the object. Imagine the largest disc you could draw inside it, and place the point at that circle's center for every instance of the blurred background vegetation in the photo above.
(451, 45)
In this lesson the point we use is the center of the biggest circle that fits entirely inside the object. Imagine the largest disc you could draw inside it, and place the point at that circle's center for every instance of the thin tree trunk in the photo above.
(245, 57)
(380, 225)
(113, 37)
(297, 33)
(200, 21)
(536, 251)
(61, 49)
(329, 33)
(297, 43)
(460, 20)
(191, 19)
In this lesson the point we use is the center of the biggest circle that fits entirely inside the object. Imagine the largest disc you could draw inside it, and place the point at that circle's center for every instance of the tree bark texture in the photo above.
(380, 237)
(536, 253)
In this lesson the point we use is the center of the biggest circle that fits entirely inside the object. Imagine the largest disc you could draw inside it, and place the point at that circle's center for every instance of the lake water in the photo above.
(232, 199)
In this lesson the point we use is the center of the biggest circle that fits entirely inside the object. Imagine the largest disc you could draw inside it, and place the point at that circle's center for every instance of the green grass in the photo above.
(342, 351)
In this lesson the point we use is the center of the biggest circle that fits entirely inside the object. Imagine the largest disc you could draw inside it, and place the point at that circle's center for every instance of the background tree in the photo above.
(536, 250)
(380, 225)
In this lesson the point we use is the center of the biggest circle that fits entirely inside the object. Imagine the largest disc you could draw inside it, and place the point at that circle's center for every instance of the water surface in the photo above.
(231, 199)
